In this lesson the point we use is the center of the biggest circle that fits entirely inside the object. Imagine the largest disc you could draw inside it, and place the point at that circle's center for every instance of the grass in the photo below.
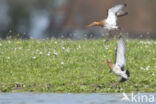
(66, 66)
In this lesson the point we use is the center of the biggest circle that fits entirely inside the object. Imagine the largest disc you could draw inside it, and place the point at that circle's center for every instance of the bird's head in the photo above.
(109, 61)
(110, 65)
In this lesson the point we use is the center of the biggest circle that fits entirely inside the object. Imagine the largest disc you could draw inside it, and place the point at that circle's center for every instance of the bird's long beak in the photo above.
(91, 25)
(105, 63)
(100, 23)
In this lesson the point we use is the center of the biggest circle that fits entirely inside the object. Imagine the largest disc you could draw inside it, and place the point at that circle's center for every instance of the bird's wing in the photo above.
(122, 79)
(114, 12)
(121, 53)
(117, 8)
(121, 13)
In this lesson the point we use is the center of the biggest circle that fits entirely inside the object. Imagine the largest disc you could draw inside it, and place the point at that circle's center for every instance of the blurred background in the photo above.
(68, 18)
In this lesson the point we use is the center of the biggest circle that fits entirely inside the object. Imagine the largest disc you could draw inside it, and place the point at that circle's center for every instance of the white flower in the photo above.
(8, 58)
(68, 50)
(34, 57)
(62, 63)
(9, 41)
(147, 68)
(55, 53)
(55, 42)
(106, 48)
(41, 53)
(49, 53)
(63, 48)
(20, 48)
(37, 50)
(141, 68)
(153, 74)
(79, 47)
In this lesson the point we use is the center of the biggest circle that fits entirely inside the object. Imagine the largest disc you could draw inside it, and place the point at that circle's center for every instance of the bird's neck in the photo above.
(101, 23)
(111, 66)
(111, 20)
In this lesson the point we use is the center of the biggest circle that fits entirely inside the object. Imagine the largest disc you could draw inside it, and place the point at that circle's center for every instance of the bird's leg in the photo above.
(116, 33)
(115, 85)
(121, 32)
(108, 33)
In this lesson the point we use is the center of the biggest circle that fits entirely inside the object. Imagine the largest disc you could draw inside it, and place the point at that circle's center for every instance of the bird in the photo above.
(118, 67)
(110, 23)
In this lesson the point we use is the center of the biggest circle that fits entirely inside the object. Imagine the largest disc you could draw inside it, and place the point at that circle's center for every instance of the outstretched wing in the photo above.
(115, 12)
(121, 13)
(117, 8)
(121, 53)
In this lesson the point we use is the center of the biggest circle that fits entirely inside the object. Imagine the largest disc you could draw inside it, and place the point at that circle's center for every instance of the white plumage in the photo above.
(113, 13)
(121, 53)
(110, 23)
(118, 67)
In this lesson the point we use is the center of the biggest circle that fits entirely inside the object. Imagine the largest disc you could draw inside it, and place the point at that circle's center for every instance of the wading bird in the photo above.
(118, 67)
(110, 23)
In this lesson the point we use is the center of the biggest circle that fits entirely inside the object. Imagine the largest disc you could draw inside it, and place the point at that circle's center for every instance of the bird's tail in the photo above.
(127, 73)
(124, 79)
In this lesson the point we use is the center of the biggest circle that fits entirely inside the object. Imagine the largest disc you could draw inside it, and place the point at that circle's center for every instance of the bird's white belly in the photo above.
(111, 26)
(119, 72)
(110, 23)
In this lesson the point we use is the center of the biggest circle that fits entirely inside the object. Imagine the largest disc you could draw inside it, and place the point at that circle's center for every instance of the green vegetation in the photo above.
(74, 66)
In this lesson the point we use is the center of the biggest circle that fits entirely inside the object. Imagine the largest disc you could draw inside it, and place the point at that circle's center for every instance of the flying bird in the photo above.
(118, 67)
(110, 23)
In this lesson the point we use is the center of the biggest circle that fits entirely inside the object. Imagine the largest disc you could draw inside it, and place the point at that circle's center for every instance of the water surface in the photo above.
(52, 98)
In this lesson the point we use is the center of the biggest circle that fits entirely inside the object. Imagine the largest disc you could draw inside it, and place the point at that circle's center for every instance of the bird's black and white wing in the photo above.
(116, 10)
(121, 53)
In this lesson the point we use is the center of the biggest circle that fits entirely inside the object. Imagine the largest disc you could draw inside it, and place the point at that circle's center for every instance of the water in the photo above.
(52, 98)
